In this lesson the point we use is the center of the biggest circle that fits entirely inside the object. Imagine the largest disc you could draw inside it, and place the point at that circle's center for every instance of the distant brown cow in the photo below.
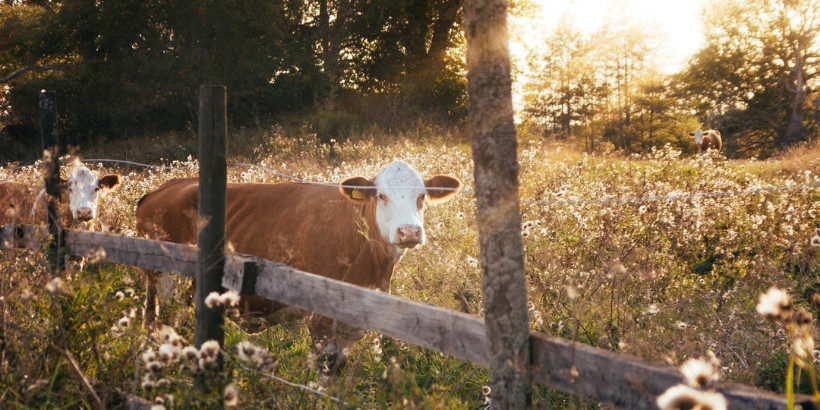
(355, 232)
(705, 140)
(20, 203)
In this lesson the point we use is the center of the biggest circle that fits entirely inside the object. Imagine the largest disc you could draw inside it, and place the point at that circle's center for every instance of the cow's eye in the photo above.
(382, 197)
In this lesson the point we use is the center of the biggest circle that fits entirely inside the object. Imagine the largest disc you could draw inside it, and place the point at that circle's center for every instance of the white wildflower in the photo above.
(699, 373)
(229, 299)
(774, 304)
(684, 397)
(231, 396)
(212, 300)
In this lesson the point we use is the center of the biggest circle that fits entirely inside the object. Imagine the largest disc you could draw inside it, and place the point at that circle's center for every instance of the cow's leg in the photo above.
(149, 315)
(333, 340)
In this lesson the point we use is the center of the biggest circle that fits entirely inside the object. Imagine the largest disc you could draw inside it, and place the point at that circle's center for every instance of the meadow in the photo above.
(664, 280)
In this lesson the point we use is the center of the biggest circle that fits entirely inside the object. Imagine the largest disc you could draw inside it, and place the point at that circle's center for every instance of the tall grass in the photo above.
(664, 280)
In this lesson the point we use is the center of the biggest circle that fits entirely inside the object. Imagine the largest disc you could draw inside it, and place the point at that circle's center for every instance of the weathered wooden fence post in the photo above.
(51, 175)
(213, 130)
(489, 87)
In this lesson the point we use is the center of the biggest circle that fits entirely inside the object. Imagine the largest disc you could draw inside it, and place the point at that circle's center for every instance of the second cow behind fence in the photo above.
(355, 232)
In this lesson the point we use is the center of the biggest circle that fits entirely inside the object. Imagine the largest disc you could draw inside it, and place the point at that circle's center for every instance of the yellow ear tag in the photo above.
(357, 194)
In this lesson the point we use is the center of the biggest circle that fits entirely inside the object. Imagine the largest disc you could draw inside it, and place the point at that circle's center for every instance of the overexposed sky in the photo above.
(677, 21)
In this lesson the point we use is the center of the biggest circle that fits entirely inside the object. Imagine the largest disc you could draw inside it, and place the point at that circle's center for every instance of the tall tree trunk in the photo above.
(794, 128)
(489, 87)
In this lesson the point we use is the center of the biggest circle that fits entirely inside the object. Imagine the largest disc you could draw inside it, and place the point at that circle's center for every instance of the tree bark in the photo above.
(794, 128)
(489, 87)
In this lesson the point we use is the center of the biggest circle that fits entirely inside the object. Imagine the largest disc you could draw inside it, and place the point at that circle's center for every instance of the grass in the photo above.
(663, 281)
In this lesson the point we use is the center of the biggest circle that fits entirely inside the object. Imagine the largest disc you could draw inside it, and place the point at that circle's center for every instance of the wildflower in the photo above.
(149, 356)
(168, 353)
(129, 292)
(119, 295)
(124, 322)
(212, 300)
(803, 317)
(229, 299)
(190, 353)
(248, 351)
(209, 349)
(684, 397)
(572, 292)
(154, 367)
(774, 304)
(57, 286)
(815, 240)
(486, 390)
(163, 382)
(170, 336)
(231, 396)
(803, 346)
(148, 381)
(699, 373)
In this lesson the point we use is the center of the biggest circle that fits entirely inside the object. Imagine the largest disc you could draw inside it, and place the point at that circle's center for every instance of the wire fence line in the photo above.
(603, 201)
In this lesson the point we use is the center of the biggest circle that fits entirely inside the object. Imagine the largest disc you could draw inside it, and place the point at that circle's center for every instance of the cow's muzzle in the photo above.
(408, 236)
(85, 214)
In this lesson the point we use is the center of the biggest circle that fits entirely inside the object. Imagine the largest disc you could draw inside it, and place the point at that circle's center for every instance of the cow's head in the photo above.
(698, 136)
(400, 193)
(84, 189)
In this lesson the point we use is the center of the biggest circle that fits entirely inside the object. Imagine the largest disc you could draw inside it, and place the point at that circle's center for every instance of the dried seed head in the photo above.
(149, 356)
(119, 295)
(154, 367)
(168, 353)
(212, 300)
(148, 381)
(486, 390)
(231, 396)
(229, 299)
(803, 317)
(775, 304)
(682, 397)
(190, 353)
(124, 322)
(699, 373)
(248, 351)
(57, 286)
(209, 349)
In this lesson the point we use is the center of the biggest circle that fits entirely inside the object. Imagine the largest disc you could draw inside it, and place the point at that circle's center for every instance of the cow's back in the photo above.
(17, 202)
(312, 228)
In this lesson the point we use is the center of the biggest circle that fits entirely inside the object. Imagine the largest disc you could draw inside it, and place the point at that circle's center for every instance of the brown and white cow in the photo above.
(355, 232)
(20, 203)
(705, 140)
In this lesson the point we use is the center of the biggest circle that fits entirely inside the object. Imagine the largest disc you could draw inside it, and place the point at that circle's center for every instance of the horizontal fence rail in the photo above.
(596, 374)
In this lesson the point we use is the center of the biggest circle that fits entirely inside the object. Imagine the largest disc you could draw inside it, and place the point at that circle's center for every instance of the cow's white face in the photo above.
(84, 190)
(698, 136)
(400, 193)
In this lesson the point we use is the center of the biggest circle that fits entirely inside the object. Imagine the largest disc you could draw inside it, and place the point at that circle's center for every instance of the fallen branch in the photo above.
(98, 403)
(23, 70)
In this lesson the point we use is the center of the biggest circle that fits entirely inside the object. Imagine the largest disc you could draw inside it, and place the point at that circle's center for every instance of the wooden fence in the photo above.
(603, 376)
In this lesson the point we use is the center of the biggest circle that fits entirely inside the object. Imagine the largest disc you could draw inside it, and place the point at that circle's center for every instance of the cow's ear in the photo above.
(109, 181)
(442, 187)
(691, 134)
(357, 188)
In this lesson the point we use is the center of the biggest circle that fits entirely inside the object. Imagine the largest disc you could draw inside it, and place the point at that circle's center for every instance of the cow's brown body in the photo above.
(21, 204)
(312, 228)
(711, 139)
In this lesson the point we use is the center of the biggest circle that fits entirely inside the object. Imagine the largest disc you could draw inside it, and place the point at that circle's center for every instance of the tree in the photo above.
(753, 75)
(496, 181)
(568, 88)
